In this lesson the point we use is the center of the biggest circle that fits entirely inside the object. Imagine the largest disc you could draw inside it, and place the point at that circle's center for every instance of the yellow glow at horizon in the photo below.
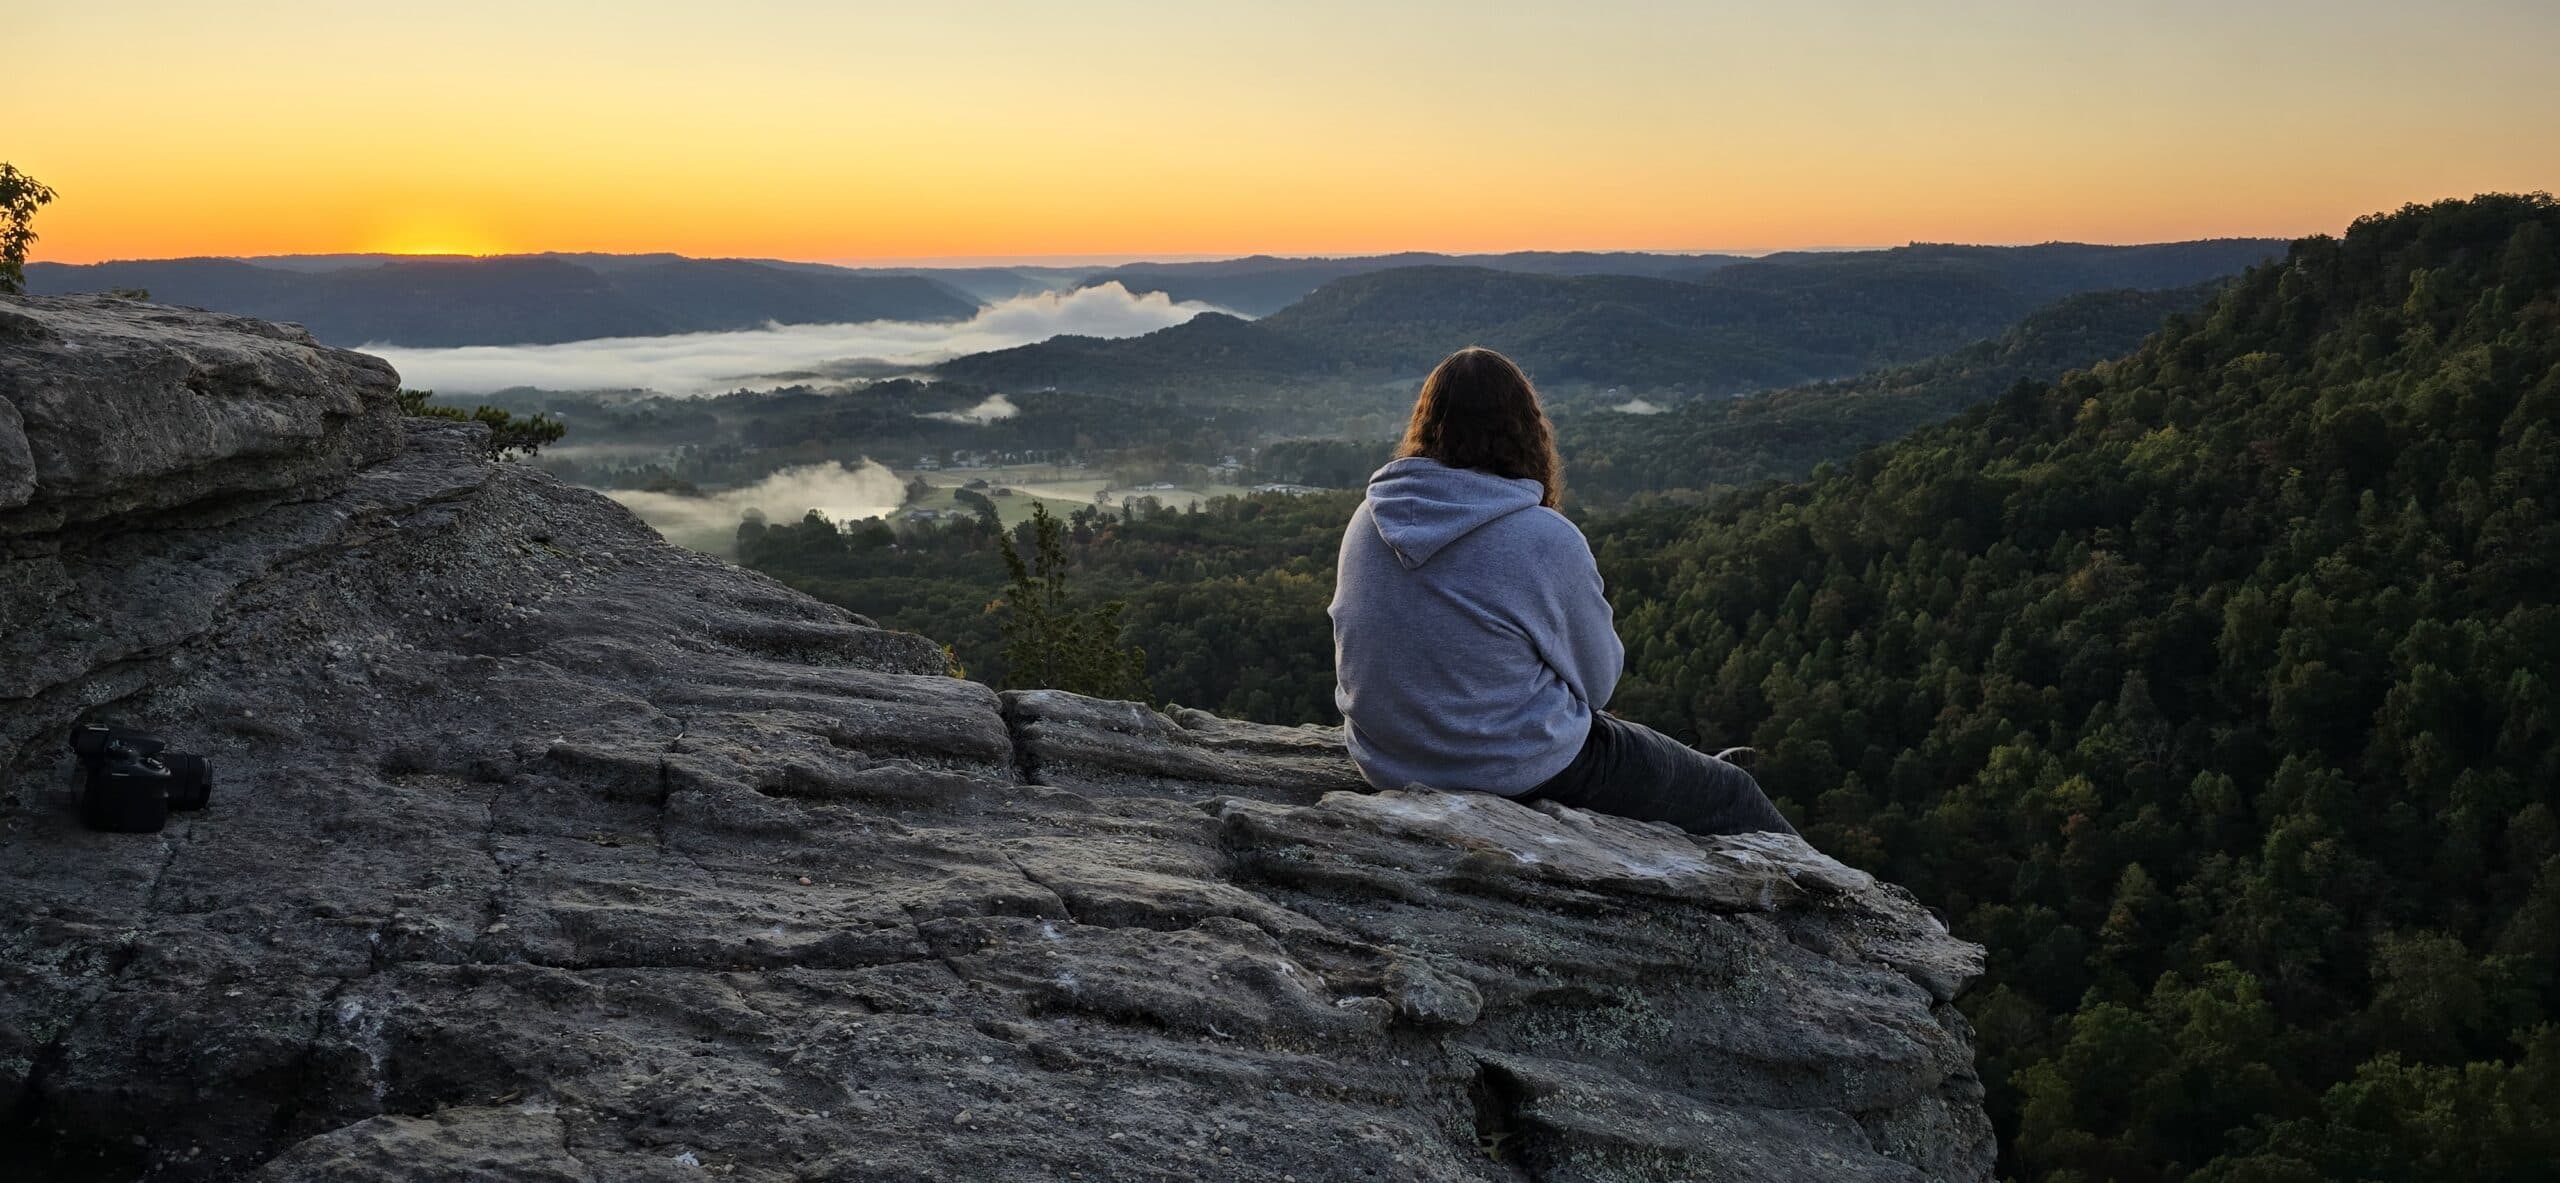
(834, 131)
(432, 244)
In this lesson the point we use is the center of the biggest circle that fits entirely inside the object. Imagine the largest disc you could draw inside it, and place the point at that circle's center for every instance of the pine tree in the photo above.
(1049, 641)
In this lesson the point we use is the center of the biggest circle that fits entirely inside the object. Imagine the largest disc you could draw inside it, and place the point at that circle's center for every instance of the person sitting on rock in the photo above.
(1472, 646)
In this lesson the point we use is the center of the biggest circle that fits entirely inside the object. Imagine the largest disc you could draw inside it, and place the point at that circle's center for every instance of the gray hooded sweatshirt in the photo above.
(1471, 641)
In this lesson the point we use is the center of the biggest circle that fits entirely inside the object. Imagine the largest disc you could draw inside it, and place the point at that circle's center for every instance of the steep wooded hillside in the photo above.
(2213, 689)
(1711, 443)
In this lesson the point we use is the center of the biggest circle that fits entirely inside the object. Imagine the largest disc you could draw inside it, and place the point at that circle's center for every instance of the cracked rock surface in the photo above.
(541, 850)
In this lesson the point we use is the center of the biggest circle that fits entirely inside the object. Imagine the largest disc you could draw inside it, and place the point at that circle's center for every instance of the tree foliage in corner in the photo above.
(20, 196)
(508, 435)
(1049, 640)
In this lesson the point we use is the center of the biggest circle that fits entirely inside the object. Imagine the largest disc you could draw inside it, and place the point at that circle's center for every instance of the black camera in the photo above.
(129, 783)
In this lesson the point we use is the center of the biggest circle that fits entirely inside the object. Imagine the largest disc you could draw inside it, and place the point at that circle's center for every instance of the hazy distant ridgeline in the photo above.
(2045, 270)
(987, 285)
(1710, 322)
(1262, 284)
(1723, 327)
(518, 299)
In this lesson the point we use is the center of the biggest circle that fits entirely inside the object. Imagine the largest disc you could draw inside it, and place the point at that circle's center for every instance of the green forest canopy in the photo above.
(2210, 689)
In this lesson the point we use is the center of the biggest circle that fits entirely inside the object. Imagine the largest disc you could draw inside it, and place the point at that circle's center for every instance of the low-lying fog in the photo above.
(714, 363)
(710, 522)
(988, 410)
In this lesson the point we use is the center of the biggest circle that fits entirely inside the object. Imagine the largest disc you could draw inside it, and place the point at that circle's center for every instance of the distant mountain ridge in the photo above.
(2044, 271)
(1725, 328)
(1662, 321)
(1259, 285)
(516, 299)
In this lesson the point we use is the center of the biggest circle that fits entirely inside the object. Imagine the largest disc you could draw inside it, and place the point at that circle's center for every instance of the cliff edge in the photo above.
(542, 850)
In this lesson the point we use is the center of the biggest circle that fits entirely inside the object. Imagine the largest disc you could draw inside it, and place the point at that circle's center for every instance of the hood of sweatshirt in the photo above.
(1420, 505)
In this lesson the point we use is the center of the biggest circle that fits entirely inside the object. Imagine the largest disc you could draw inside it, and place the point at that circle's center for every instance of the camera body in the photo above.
(129, 781)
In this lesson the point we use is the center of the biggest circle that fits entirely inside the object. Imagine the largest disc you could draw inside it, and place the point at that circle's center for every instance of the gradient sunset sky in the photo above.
(856, 131)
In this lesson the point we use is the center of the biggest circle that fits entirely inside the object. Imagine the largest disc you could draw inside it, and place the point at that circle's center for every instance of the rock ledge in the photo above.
(542, 850)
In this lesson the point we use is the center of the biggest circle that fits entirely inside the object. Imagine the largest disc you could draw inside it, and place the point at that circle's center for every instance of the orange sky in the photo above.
(858, 131)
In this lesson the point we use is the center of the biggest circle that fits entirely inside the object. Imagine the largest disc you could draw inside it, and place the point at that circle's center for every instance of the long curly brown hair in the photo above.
(1478, 410)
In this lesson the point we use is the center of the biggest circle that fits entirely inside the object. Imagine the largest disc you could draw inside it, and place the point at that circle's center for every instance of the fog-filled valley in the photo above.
(690, 364)
(1115, 391)
(1185, 381)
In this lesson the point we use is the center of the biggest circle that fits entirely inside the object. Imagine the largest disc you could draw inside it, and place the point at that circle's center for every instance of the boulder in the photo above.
(110, 406)
(541, 849)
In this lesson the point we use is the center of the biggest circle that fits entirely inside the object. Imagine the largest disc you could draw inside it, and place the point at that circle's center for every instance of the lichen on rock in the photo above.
(542, 849)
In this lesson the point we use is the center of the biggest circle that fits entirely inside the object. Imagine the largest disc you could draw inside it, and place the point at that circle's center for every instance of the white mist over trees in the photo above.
(711, 363)
(710, 521)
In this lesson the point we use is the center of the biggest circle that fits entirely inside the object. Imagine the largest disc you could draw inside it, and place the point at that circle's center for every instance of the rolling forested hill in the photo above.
(2213, 689)
(1737, 327)
(1211, 354)
(1712, 443)
(516, 299)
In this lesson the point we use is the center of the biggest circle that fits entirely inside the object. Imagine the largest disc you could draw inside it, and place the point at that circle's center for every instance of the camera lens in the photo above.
(190, 781)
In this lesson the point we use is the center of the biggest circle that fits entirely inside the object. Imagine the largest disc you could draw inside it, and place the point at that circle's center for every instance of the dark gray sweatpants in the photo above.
(1633, 771)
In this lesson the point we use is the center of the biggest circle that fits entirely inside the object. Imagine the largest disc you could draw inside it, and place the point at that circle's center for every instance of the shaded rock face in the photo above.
(542, 850)
(109, 406)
